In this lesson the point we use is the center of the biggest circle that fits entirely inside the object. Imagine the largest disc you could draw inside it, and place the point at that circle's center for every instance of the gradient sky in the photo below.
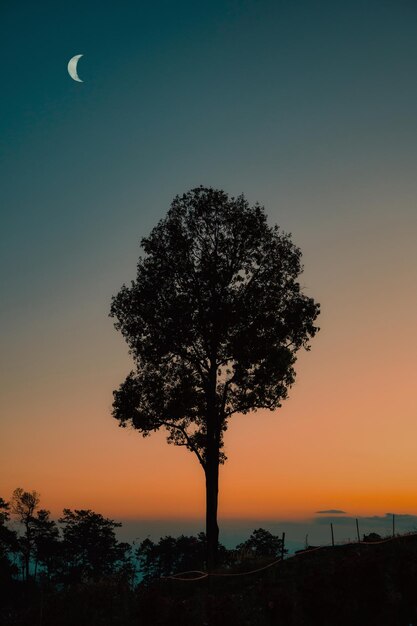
(307, 107)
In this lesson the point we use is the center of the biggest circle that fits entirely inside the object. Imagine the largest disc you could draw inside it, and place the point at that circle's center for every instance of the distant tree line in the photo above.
(82, 547)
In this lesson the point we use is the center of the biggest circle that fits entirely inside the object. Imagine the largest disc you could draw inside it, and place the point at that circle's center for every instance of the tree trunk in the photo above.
(212, 529)
(27, 566)
(26, 547)
(212, 469)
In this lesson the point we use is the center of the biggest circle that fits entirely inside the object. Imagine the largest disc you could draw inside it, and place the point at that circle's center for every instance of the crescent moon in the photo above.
(72, 67)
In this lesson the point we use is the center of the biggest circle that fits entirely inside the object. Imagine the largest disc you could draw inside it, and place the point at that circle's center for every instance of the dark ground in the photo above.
(351, 585)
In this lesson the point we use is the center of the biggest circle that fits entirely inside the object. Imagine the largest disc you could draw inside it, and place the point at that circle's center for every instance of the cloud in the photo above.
(331, 511)
(403, 521)
(339, 519)
(405, 518)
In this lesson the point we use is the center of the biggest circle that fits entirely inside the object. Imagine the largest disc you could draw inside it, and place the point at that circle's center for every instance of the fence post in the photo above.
(282, 546)
(331, 526)
(357, 530)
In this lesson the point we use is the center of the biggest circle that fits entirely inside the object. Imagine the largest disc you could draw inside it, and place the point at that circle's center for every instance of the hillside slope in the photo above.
(355, 585)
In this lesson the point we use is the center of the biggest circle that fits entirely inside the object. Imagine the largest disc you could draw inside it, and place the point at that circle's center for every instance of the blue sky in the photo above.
(294, 103)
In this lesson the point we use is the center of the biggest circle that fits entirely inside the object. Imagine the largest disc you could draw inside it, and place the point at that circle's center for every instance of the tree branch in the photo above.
(189, 443)
(224, 397)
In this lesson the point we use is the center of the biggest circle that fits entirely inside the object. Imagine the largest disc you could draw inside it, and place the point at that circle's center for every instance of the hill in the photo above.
(355, 585)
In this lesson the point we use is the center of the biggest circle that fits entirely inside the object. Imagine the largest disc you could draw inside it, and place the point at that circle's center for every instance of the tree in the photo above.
(172, 555)
(213, 322)
(90, 545)
(262, 543)
(156, 559)
(8, 544)
(47, 547)
(24, 505)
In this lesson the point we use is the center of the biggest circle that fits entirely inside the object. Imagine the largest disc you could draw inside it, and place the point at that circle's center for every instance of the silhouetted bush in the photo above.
(372, 537)
(173, 555)
(262, 543)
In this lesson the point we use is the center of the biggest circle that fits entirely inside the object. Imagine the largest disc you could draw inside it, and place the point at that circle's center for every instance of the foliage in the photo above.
(90, 547)
(4, 512)
(47, 545)
(262, 543)
(23, 506)
(174, 555)
(217, 287)
(8, 543)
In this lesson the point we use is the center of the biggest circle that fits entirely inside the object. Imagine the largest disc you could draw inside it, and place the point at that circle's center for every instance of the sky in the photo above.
(308, 108)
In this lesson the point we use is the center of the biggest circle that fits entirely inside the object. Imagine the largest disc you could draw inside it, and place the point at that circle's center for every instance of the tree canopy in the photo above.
(90, 546)
(262, 543)
(217, 286)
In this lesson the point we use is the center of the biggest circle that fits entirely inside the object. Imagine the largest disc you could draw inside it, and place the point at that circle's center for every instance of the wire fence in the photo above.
(187, 576)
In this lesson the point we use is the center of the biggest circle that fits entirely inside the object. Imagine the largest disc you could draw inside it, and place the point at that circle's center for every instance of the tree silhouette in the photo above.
(213, 322)
(47, 546)
(172, 555)
(262, 543)
(24, 505)
(90, 546)
(8, 544)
